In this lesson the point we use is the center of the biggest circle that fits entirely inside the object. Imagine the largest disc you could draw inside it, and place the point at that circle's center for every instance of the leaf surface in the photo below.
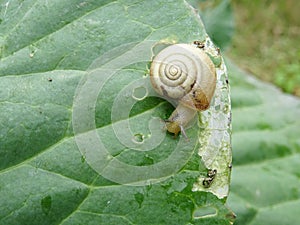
(49, 51)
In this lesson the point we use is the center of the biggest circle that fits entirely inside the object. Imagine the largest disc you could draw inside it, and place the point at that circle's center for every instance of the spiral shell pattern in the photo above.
(185, 73)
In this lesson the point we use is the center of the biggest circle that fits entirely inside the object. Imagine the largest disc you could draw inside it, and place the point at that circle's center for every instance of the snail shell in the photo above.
(186, 74)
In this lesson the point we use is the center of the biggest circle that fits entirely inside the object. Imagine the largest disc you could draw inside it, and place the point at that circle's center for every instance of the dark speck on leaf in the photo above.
(46, 203)
(139, 197)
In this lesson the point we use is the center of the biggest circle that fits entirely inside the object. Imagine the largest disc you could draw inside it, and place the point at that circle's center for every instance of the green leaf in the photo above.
(81, 131)
(265, 178)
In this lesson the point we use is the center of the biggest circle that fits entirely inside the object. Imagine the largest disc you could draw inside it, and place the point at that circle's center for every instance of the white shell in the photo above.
(184, 72)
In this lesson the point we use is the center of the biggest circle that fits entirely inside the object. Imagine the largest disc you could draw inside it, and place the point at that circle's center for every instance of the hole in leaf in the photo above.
(46, 203)
(138, 138)
(203, 212)
(140, 93)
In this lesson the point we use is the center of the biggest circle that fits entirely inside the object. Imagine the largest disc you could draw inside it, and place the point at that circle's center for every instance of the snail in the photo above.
(184, 73)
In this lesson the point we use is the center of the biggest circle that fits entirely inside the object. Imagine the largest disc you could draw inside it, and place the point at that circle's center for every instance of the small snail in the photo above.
(186, 74)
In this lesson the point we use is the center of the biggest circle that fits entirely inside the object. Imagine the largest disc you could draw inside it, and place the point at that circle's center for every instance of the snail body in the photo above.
(186, 74)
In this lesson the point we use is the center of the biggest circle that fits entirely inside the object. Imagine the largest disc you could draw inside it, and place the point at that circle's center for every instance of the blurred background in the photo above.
(260, 36)
(266, 41)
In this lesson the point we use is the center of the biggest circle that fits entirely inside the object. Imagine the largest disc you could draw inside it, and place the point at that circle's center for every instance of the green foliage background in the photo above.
(266, 123)
(266, 41)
